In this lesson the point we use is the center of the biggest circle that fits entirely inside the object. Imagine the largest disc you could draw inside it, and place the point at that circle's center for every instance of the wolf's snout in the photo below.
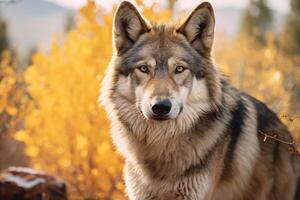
(162, 108)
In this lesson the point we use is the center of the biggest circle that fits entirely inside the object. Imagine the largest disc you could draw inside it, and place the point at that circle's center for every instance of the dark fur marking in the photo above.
(215, 114)
(234, 129)
(267, 120)
(205, 121)
(265, 117)
(275, 153)
(209, 118)
(203, 162)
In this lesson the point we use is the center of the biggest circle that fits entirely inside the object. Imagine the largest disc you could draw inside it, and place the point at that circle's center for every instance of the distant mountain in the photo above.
(32, 23)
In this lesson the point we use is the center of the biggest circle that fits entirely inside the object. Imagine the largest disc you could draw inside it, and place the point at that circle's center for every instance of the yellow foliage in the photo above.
(68, 133)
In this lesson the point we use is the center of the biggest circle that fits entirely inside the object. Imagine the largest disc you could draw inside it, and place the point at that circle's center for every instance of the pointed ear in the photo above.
(199, 28)
(127, 27)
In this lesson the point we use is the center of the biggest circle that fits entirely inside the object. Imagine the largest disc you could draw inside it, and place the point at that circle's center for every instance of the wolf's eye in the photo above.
(179, 69)
(143, 68)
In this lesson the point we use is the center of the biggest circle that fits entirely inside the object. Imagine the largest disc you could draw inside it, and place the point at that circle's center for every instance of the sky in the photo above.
(278, 5)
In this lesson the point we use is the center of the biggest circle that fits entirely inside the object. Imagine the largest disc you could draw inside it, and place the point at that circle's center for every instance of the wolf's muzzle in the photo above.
(162, 108)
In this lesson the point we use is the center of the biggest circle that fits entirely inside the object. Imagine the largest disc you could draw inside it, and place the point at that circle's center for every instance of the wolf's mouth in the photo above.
(159, 118)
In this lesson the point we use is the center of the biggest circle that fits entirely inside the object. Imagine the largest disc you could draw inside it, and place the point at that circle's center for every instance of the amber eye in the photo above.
(143, 68)
(179, 69)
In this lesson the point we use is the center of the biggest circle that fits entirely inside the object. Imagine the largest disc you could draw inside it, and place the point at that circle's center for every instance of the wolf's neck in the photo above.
(165, 151)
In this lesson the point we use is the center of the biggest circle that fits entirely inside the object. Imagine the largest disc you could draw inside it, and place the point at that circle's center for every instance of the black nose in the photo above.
(162, 108)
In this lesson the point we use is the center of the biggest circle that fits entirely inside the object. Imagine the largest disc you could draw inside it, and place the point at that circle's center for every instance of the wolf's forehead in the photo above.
(162, 49)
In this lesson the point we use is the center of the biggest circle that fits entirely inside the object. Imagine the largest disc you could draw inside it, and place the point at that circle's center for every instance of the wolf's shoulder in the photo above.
(268, 122)
(265, 116)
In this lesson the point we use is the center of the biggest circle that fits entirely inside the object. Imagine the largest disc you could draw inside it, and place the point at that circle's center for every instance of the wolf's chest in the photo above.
(196, 187)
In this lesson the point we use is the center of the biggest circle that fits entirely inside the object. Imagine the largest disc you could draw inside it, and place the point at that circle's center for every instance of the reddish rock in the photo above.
(27, 184)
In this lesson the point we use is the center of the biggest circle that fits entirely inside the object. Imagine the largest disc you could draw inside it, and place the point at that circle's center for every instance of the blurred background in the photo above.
(53, 57)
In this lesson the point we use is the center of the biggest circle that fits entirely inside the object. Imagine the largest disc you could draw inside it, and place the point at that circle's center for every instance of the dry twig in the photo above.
(291, 144)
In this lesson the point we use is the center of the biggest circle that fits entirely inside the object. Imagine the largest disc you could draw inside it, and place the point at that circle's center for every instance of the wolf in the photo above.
(184, 131)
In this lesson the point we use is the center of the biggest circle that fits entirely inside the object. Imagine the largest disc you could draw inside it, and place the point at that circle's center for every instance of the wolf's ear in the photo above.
(199, 28)
(127, 27)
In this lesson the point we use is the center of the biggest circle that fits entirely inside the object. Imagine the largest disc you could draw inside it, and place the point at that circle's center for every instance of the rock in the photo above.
(27, 184)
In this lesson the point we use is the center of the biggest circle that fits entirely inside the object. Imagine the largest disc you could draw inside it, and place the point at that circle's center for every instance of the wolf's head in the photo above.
(164, 70)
